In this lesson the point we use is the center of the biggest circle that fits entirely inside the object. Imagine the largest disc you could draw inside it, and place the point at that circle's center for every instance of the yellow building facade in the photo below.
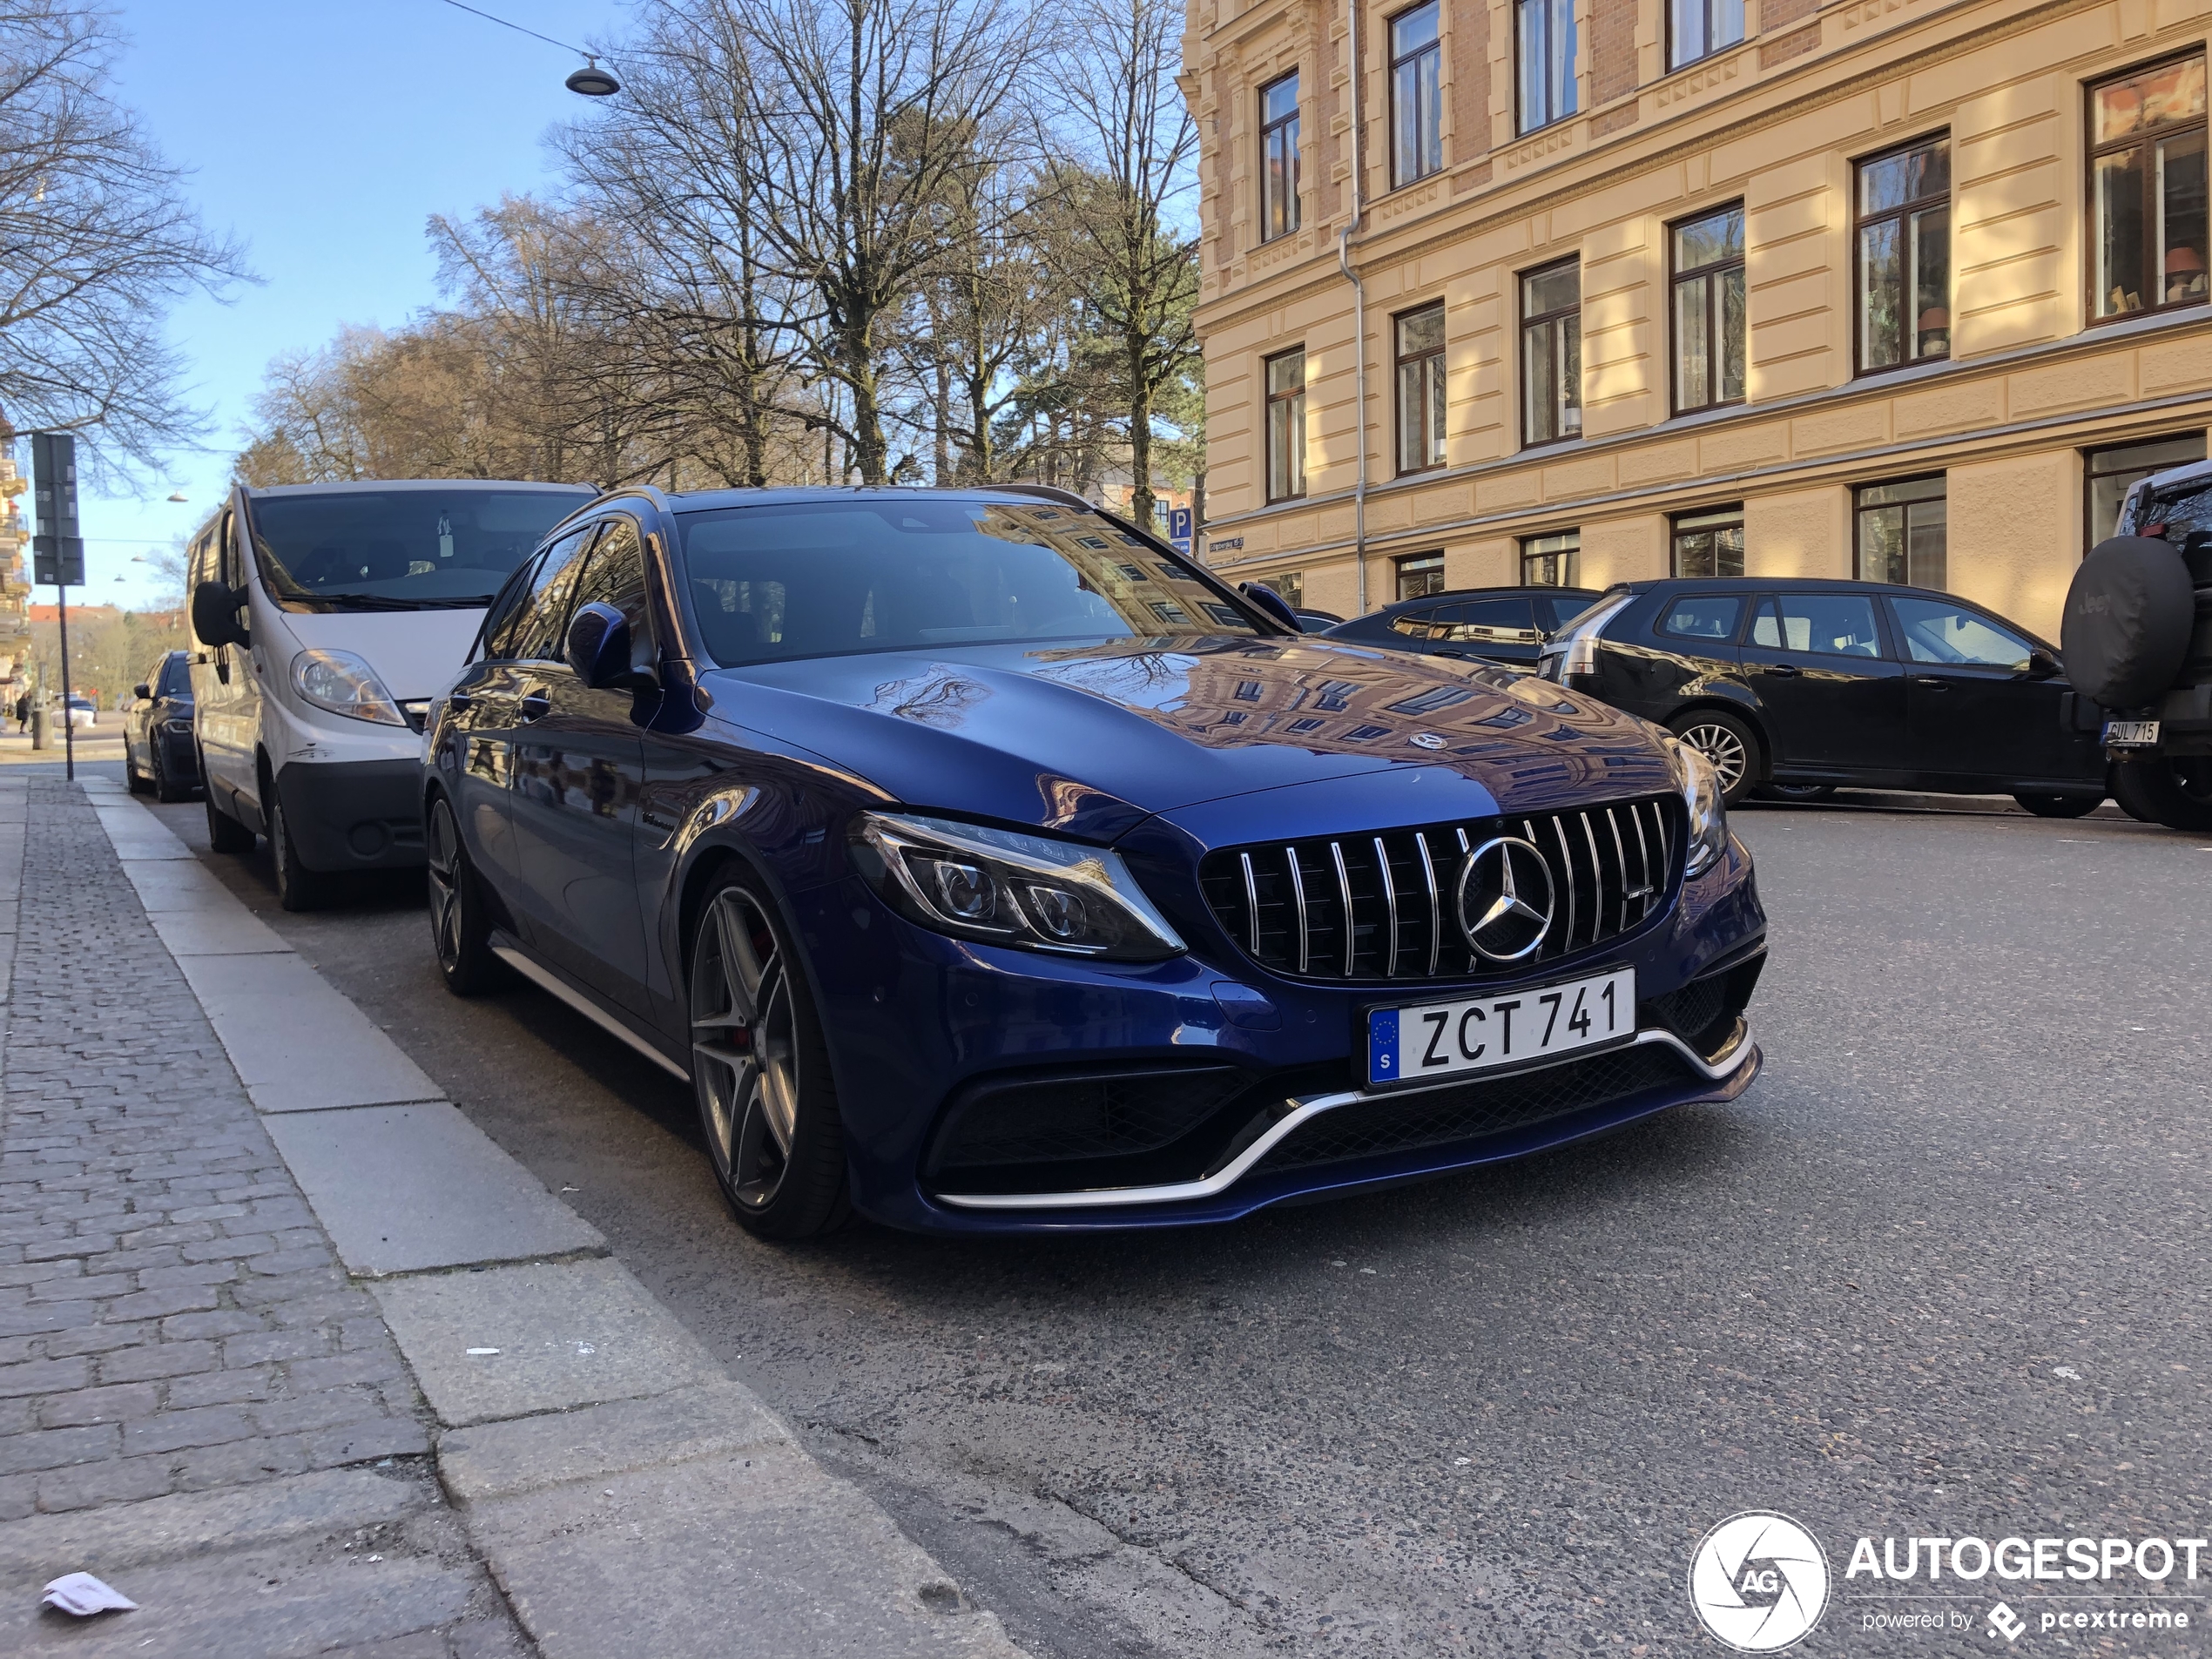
(1895, 288)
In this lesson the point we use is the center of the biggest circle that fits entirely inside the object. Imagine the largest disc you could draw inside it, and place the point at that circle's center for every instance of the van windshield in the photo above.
(400, 550)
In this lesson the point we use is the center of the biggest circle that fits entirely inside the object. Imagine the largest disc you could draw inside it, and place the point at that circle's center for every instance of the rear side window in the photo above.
(1820, 624)
(1702, 616)
(615, 575)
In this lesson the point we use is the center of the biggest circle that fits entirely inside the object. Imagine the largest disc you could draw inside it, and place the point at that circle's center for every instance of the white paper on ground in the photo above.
(83, 1595)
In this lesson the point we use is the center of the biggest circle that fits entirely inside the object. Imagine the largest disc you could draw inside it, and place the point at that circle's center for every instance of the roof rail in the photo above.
(1049, 492)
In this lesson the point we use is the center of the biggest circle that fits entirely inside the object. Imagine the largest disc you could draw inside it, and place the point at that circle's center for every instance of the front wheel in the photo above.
(760, 1072)
(460, 928)
(2175, 791)
(298, 888)
(1728, 743)
(165, 788)
(1800, 792)
(225, 833)
(2051, 806)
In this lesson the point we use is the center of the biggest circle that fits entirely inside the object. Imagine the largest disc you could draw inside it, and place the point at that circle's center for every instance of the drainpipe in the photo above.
(1358, 311)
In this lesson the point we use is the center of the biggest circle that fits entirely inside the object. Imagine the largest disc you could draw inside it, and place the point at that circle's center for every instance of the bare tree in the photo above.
(1122, 237)
(96, 240)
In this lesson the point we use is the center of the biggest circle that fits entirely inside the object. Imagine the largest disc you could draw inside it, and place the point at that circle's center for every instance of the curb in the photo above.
(628, 1495)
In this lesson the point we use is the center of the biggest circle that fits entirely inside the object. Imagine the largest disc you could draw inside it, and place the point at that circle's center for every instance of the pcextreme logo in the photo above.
(1759, 1582)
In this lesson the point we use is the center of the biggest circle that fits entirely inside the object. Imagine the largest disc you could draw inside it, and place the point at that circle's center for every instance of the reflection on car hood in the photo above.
(1092, 737)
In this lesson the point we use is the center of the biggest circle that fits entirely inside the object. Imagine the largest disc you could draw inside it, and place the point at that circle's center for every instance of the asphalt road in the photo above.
(1940, 1272)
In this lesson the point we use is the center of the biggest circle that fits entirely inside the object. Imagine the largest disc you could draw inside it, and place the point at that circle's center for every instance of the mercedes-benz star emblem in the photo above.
(1505, 898)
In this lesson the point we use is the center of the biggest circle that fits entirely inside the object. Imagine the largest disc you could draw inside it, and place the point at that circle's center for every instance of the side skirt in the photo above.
(513, 954)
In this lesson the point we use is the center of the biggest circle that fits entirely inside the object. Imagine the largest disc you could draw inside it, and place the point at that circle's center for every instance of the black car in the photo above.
(158, 752)
(1482, 625)
(1801, 686)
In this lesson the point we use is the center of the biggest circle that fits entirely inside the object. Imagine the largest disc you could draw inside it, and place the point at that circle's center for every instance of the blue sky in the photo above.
(322, 135)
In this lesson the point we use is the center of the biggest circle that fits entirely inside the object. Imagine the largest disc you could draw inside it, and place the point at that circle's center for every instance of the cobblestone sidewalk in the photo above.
(173, 1327)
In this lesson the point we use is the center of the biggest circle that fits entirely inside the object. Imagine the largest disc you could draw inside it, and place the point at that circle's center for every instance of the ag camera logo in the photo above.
(1759, 1582)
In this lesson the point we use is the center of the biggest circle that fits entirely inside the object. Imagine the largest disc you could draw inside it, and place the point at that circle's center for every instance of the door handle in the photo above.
(1782, 670)
(1932, 682)
(536, 705)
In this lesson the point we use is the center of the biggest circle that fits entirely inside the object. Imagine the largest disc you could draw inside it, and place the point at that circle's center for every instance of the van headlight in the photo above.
(1701, 796)
(1035, 892)
(343, 684)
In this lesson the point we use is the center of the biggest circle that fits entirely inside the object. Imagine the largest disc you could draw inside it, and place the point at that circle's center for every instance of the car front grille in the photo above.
(1382, 907)
(1472, 1110)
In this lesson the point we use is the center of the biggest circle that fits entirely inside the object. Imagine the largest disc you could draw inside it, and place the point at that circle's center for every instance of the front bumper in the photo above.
(355, 814)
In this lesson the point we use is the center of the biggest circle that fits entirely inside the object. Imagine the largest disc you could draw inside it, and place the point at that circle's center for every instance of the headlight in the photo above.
(1701, 796)
(340, 682)
(1030, 891)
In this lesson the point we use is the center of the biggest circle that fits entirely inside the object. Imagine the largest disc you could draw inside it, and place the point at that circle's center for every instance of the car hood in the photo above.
(1093, 737)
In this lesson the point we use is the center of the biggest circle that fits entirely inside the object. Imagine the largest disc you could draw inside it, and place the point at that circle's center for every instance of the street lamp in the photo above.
(592, 81)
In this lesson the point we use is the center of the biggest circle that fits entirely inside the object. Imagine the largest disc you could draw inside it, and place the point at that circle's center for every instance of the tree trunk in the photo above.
(1140, 435)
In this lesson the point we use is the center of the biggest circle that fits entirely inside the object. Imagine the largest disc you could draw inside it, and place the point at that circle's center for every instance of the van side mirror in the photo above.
(1272, 602)
(2039, 666)
(142, 691)
(214, 615)
(597, 646)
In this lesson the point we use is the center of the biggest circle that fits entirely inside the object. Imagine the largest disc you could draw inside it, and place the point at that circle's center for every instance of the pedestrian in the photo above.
(22, 713)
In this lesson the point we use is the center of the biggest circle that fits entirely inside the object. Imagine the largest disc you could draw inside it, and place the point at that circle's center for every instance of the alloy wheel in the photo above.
(443, 856)
(745, 1048)
(1721, 746)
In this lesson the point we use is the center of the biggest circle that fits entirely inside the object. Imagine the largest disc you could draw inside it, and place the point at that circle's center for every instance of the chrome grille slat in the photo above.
(1586, 850)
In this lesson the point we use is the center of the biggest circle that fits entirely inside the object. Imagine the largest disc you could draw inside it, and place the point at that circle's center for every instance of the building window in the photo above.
(1420, 576)
(1420, 389)
(1416, 104)
(1708, 310)
(2147, 190)
(1290, 585)
(1551, 352)
(1699, 28)
(1548, 561)
(1547, 39)
(1900, 532)
(1709, 544)
(2108, 473)
(1905, 256)
(1286, 424)
(1278, 158)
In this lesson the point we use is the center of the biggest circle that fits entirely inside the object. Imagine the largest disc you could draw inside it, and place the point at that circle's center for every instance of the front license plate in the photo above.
(2131, 734)
(1490, 1032)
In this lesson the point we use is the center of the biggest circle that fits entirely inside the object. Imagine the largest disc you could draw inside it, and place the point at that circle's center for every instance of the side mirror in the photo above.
(2040, 665)
(142, 691)
(1272, 602)
(214, 615)
(597, 646)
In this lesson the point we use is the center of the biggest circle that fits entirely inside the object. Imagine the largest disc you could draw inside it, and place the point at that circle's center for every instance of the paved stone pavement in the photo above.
(173, 1327)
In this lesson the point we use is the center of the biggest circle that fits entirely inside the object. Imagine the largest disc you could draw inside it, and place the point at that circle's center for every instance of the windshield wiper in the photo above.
(384, 601)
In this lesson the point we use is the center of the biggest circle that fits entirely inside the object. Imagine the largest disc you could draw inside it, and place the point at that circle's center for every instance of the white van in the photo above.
(323, 617)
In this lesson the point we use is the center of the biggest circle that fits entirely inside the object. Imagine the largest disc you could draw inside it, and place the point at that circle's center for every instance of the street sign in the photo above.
(58, 549)
(1179, 529)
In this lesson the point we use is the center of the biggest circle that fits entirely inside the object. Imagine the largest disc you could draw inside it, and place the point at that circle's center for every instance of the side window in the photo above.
(1493, 620)
(1414, 623)
(535, 635)
(615, 575)
(1703, 615)
(1935, 632)
(496, 639)
(1822, 624)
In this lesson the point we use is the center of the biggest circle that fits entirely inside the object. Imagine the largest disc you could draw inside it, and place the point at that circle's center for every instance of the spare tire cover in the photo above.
(2129, 615)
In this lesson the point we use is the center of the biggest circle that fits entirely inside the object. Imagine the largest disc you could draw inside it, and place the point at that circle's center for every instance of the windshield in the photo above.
(2184, 515)
(400, 550)
(818, 579)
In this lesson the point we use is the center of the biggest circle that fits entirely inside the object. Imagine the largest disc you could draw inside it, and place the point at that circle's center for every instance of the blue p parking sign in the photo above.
(1179, 528)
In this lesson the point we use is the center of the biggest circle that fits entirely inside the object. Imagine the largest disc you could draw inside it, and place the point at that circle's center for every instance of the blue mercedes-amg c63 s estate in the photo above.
(986, 866)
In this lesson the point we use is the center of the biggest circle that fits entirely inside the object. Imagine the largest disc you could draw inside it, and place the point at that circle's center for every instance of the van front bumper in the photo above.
(355, 814)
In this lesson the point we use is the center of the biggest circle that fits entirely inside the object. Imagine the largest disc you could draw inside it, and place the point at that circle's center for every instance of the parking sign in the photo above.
(1179, 529)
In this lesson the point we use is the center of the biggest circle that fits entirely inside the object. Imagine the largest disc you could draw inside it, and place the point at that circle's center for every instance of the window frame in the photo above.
(1529, 325)
(1677, 65)
(1393, 64)
(1570, 557)
(1707, 273)
(1400, 361)
(1860, 507)
(1268, 131)
(1675, 532)
(1899, 214)
(2091, 149)
(1399, 566)
(1523, 125)
(1269, 398)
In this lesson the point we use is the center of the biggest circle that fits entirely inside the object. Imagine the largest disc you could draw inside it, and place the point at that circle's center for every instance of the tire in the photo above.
(166, 789)
(760, 1072)
(225, 833)
(133, 779)
(1795, 791)
(2175, 791)
(1728, 742)
(460, 925)
(2049, 806)
(298, 888)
